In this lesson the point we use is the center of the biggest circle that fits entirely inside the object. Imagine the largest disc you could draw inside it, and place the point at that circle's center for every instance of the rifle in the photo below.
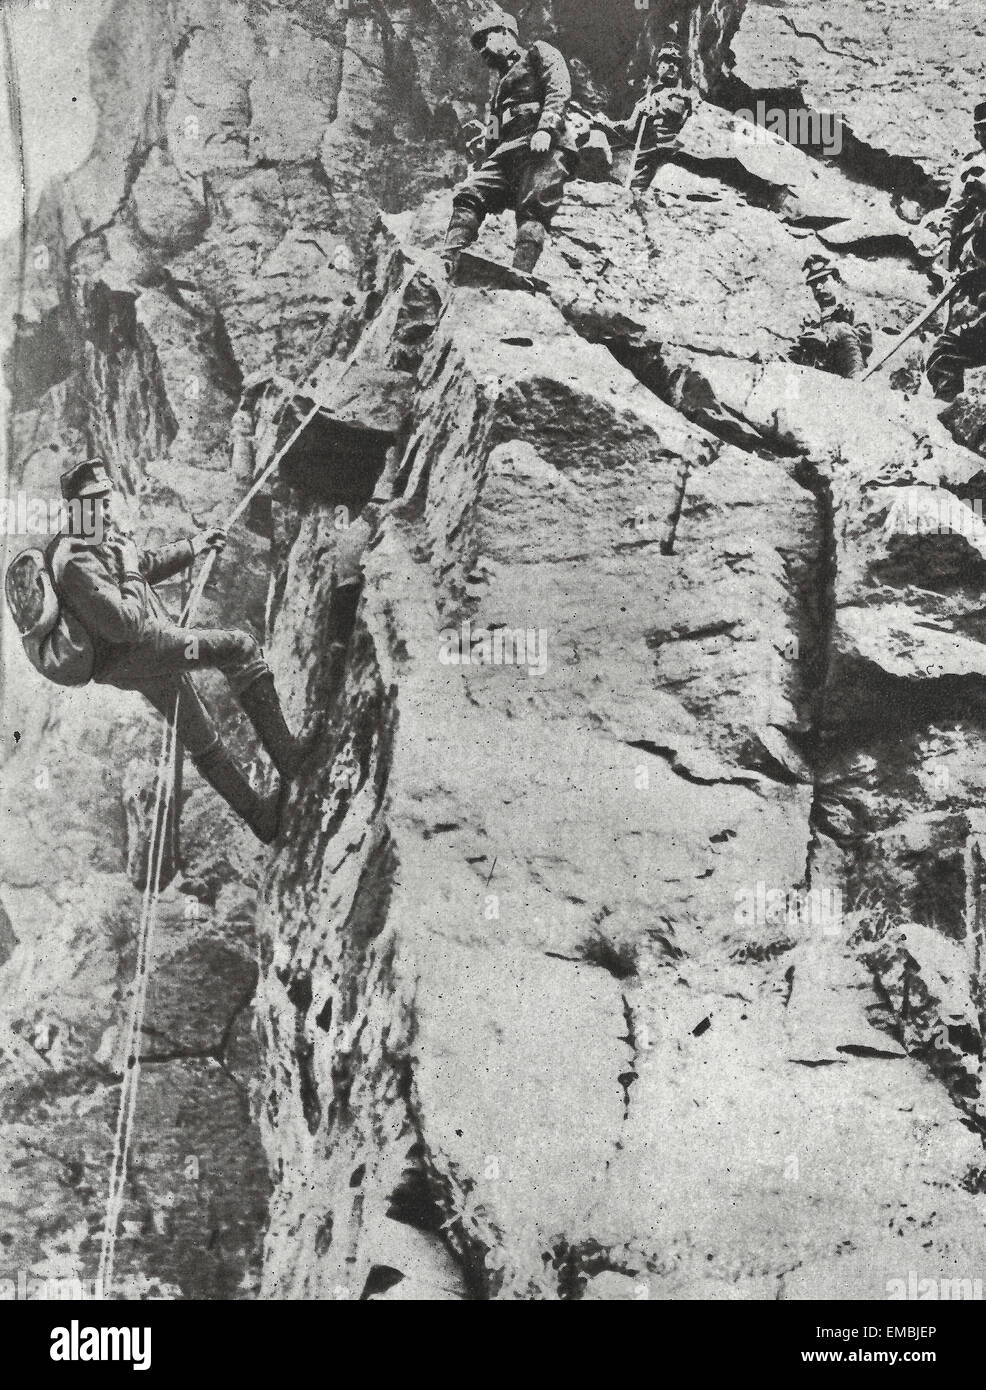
(908, 333)
(640, 140)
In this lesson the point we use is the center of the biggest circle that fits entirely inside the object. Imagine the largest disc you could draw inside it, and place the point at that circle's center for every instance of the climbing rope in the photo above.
(163, 794)
(163, 799)
(203, 577)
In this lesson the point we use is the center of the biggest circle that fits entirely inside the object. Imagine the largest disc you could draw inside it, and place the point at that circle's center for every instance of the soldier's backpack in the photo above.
(55, 642)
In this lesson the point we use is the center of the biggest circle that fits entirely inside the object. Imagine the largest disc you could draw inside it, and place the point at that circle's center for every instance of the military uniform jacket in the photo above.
(664, 112)
(835, 341)
(115, 603)
(843, 312)
(966, 200)
(531, 95)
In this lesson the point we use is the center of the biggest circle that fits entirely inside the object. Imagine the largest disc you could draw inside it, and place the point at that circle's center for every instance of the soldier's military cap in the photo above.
(671, 53)
(818, 268)
(89, 479)
(493, 19)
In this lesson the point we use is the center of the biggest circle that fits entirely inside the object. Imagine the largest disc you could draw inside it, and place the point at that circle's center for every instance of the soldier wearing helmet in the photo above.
(530, 154)
(652, 130)
(833, 340)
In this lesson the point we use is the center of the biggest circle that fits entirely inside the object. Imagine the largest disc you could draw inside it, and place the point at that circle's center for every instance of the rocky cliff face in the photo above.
(625, 937)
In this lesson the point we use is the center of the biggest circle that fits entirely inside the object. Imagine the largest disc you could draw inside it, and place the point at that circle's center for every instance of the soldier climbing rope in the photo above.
(163, 795)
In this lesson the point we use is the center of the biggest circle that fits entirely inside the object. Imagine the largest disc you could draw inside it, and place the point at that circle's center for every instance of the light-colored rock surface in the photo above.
(638, 969)
(902, 76)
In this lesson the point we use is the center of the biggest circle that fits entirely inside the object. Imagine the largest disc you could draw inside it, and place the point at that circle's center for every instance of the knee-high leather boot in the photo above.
(531, 237)
(261, 813)
(263, 709)
(463, 229)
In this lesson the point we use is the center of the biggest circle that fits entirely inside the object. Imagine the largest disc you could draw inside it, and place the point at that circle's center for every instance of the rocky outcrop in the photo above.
(626, 937)
(464, 869)
(902, 80)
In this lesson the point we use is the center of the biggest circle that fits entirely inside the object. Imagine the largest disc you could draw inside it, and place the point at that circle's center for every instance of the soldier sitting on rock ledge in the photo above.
(834, 341)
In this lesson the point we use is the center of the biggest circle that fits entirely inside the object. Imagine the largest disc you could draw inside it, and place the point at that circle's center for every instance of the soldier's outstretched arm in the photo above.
(557, 87)
(109, 608)
(627, 128)
(631, 126)
(158, 565)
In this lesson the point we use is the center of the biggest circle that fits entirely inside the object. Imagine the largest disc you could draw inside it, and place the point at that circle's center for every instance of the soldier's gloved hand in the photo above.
(213, 539)
(540, 142)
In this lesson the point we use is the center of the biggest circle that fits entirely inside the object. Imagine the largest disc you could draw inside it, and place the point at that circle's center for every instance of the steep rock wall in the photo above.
(536, 879)
(210, 234)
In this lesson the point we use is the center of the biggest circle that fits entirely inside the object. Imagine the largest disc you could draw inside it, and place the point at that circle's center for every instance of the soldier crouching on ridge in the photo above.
(657, 120)
(963, 249)
(530, 155)
(108, 587)
(835, 341)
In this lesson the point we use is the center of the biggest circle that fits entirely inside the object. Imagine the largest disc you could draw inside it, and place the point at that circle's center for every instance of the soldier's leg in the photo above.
(241, 661)
(235, 653)
(484, 191)
(176, 651)
(962, 345)
(645, 169)
(287, 752)
(540, 188)
(198, 732)
(170, 650)
(196, 727)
